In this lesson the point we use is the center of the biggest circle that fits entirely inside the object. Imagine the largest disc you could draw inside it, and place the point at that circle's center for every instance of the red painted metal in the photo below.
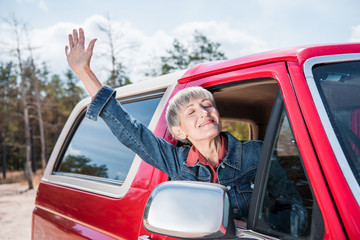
(345, 201)
(77, 214)
(300, 54)
(278, 71)
(114, 217)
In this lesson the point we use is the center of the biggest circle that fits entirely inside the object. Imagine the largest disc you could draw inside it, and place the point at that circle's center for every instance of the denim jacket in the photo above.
(236, 171)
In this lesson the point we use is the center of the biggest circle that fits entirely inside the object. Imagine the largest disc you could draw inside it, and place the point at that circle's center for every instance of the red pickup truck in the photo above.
(302, 102)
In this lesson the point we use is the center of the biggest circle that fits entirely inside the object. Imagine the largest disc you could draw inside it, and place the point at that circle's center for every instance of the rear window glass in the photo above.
(95, 152)
(239, 129)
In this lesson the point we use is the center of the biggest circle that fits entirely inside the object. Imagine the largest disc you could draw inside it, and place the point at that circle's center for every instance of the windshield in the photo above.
(339, 88)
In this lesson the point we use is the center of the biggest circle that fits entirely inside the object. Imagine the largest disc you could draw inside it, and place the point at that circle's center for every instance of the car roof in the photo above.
(299, 54)
(150, 84)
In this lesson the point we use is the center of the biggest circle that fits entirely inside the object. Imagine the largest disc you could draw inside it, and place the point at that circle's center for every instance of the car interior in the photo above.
(250, 102)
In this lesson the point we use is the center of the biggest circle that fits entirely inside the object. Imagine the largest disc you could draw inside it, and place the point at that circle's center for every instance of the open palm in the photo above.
(79, 57)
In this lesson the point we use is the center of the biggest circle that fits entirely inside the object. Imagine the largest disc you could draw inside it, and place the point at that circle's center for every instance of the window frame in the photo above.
(101, 186)
(317, 224)
(79, 120)
(330, 133)
(252, 127)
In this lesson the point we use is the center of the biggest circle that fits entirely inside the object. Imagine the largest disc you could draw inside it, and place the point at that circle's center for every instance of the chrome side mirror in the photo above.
(189, 210)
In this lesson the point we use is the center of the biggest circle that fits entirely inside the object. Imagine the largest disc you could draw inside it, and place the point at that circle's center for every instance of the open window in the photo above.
(245, 106)
(282, 203)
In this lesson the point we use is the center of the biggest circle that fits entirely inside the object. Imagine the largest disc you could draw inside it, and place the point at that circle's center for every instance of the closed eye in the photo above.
(207, 103)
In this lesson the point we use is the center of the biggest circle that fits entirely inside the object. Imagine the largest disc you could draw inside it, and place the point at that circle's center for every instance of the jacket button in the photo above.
(236, 211)
(228, 187)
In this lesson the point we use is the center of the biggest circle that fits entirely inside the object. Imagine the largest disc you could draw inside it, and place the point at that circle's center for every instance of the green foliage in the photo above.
(73, 93)
(58, 95)
(118, 77)
(8, 91)
(200, 50)
(82, 165)
(240, 130)
(178, 58)
(205, 50)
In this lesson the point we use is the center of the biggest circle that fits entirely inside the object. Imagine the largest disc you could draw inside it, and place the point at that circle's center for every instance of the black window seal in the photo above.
(317, 223)
(263, 166)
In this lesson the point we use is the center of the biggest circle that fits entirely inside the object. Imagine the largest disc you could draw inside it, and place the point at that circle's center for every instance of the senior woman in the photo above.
(192, 117)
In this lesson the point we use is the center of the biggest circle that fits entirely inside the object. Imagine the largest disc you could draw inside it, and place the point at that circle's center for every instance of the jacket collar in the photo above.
(195, 156)
(233, 157)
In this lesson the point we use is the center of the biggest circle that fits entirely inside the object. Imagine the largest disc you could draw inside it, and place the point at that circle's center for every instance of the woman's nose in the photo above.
(204, 112)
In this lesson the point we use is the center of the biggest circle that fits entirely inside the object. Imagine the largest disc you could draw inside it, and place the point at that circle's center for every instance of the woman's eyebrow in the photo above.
(191, 104)
(187, 106)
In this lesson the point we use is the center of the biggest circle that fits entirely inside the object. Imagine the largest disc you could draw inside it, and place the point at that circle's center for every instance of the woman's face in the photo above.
(199, 120)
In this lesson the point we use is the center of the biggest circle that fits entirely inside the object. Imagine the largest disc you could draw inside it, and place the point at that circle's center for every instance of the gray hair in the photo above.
(179, 100)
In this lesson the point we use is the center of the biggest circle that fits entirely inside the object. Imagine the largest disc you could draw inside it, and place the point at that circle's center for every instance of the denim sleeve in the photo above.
(99, 101)
(133, 134)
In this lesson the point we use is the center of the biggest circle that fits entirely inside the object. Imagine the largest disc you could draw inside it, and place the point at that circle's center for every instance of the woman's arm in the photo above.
(79, 60)
(152, 149)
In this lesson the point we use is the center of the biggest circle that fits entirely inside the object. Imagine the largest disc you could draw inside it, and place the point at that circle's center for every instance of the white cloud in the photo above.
(355, 34)
(72, 151)
(40, 3)
(49, 43)
(233, 41)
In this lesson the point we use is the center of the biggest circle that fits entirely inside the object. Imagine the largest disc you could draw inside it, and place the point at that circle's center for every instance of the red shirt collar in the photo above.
(194, 155)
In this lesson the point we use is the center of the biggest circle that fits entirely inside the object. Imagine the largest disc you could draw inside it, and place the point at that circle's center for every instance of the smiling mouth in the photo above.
(206, 123)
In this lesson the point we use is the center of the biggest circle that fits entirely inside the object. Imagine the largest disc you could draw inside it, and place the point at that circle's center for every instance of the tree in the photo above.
(36, 82)
(82, 164)
(205, 50)
(73, 92)
(61, 94)
(24, 87)
(182, 56)
(118, 76)
(6, 80)
(29, 76)
(56, 109)
(178, 58)
(40, 81)
(34, 106)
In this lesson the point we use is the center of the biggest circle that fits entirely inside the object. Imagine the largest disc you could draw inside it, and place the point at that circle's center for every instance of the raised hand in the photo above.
(79, 60)
(79, 57)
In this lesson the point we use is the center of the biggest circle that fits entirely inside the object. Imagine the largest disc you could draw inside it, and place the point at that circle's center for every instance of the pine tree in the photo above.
(182, 56)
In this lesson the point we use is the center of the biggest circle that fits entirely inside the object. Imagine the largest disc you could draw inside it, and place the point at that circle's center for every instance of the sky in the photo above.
(144, 29)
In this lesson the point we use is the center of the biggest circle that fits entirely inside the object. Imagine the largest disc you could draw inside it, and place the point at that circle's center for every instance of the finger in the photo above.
(71, 41)
(66, 50)
(91, 45)
(75, 36)
(81, 36)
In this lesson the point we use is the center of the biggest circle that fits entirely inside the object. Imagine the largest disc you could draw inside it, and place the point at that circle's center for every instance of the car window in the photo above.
(287, 201)
(239, 129)
(95, 152)
(339, 85)
(245, 106)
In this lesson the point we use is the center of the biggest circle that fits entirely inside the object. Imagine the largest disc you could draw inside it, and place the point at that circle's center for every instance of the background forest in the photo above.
(35, 103)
